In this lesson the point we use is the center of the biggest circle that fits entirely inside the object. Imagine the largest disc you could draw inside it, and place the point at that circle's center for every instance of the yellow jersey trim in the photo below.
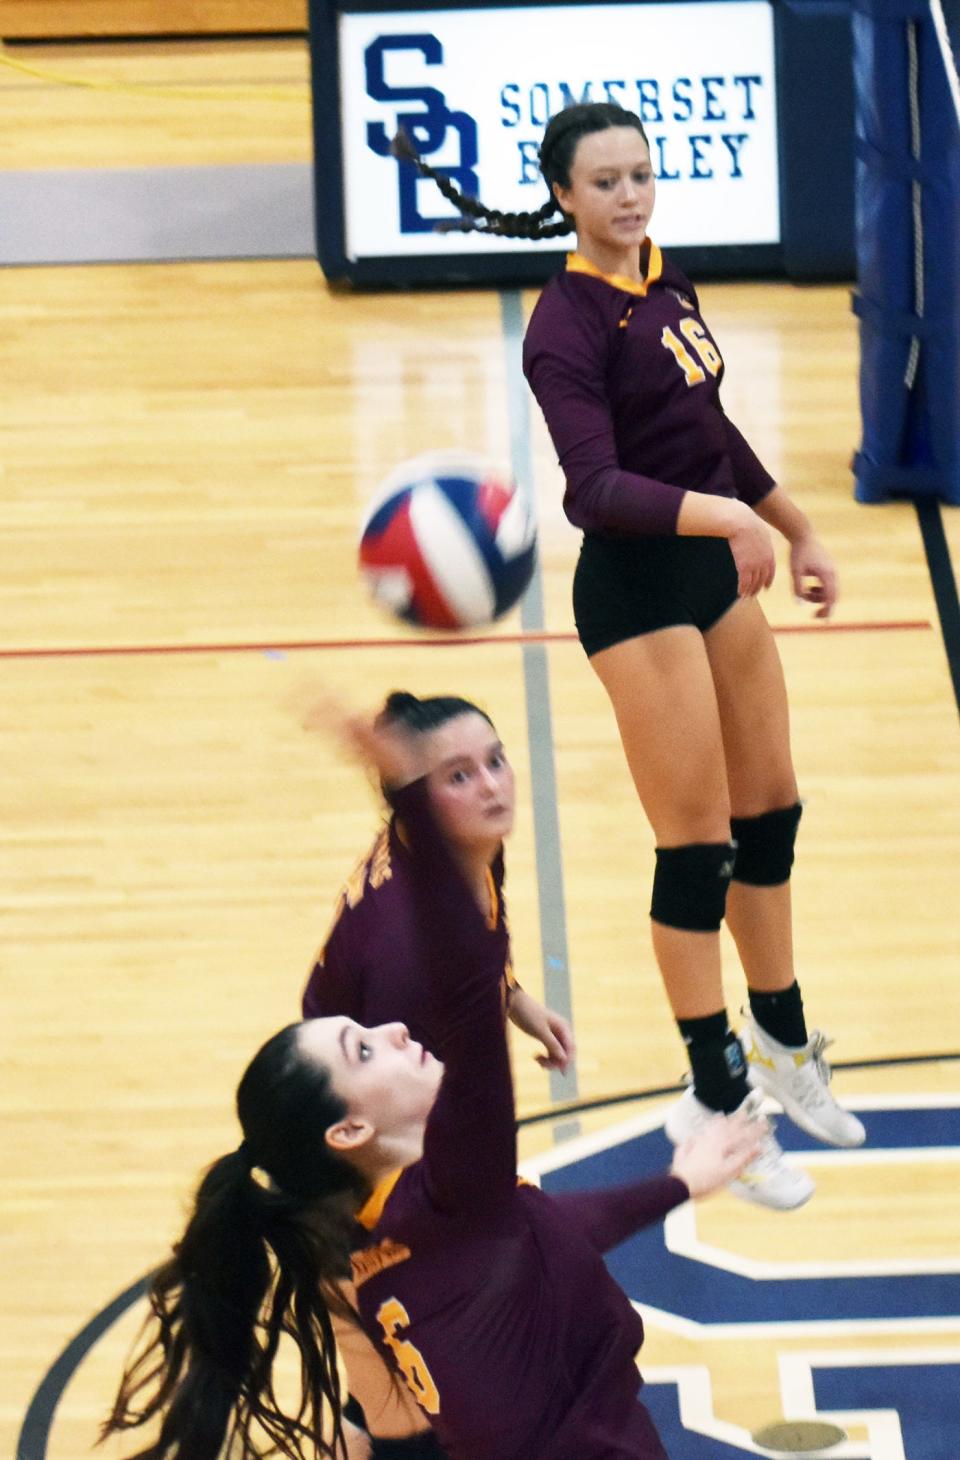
(373, 1260)
(372, 1210)
(493, 901)
(577, 264)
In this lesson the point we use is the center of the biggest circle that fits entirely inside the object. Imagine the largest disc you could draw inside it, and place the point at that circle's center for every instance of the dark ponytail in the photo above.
(261, 1257)
(563, 132)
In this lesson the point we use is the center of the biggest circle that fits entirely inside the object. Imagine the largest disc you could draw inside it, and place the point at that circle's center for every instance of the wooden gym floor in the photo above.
(185, 450)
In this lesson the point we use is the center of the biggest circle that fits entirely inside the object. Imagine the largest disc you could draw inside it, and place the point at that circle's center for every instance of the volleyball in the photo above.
(447, 543)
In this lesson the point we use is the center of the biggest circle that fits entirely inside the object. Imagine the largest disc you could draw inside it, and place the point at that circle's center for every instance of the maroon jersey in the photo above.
(490, 1297)
(371, 966)
(628, 378)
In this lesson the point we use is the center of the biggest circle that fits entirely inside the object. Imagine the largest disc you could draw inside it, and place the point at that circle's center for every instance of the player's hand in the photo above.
(751, 543)
(552, 1030)
(719, 1151)
(558, 1043)
(814, 575)
(390, 751)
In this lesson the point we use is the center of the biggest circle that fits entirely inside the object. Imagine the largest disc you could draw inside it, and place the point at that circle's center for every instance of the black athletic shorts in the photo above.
(424, 1446)
(624, 587)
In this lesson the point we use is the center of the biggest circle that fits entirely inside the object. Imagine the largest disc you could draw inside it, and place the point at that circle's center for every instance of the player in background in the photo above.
(676, 512)
(371, 958)
(363, 1151)
(370, 969)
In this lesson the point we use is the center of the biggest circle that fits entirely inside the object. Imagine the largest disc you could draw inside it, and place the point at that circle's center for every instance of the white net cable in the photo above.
(913, 91)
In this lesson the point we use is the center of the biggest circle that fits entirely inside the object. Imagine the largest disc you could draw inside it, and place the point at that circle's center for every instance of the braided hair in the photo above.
(563, 133)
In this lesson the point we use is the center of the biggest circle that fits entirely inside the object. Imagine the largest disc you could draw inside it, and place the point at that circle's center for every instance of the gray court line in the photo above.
(536, 677)
(155, 214)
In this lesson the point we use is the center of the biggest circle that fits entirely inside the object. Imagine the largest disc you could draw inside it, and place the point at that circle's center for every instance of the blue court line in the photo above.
(703, 1288)
(35, 1430)
(657, 1092)
(536, 678)
(38, 1421)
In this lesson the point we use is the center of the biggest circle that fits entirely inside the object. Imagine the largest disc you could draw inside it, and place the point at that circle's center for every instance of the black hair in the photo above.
(417, 717)
(260, 1259)
(404, 711)
(407, 712)
(563, 132)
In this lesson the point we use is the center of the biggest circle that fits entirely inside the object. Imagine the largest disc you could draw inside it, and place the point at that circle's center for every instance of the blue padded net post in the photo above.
(907, 119)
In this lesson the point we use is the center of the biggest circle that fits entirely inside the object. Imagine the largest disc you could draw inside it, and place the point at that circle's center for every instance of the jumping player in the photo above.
(490, 1298)
(370, 969)
(676, 509)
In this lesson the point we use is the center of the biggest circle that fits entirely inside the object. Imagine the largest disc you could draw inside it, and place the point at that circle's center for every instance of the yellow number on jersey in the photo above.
(694, 331)
(391, 1316)
(706, 351)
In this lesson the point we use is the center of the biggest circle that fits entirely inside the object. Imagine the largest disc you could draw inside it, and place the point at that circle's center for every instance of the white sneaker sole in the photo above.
(759, 1197)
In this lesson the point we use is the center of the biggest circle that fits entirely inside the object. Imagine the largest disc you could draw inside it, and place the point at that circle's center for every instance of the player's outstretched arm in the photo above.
(389, 751)
(704, 1164)
(470, 1141)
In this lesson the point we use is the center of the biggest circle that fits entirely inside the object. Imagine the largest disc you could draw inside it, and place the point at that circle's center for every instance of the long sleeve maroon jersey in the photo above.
(628, 378)
(491, 1297)
(371, 966)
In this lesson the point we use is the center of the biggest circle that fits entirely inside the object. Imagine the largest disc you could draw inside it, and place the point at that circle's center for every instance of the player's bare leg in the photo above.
(752, 703)
(754, 718)
(662, 694)
(661, 688)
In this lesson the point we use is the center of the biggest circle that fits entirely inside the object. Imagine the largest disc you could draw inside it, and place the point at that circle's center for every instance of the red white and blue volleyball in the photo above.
(447, 542)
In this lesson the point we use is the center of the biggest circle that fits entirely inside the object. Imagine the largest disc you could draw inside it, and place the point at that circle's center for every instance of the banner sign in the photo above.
(474, 89)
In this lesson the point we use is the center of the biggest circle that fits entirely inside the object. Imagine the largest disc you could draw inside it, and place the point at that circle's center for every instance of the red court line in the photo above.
(419, 641)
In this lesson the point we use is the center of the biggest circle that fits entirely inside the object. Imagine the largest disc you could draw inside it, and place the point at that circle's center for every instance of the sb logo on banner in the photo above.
(429, 128)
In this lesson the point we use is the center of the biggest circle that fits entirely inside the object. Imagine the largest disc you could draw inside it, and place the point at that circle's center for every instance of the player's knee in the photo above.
(696, 817)
(765, 844)
(690, 886)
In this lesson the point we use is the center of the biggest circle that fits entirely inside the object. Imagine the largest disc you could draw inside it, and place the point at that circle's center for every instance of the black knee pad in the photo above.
(417, 1447)
(765, 846)
(690, 886)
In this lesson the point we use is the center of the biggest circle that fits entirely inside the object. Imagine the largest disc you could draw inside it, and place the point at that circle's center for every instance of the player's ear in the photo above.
(561, 193)
(348, 1135)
